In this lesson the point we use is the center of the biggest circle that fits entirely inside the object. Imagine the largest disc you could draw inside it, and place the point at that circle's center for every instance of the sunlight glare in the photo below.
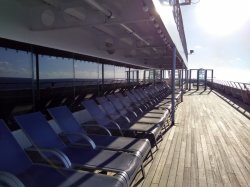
(222, 17)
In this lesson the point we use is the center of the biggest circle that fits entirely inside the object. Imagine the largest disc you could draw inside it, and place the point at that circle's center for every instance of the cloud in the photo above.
(197, 46)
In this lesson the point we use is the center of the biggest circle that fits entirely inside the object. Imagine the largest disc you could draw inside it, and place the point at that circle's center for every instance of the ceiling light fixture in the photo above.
(156, 25)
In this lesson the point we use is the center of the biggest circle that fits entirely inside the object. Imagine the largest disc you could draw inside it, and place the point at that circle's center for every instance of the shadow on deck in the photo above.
(198, 92)
(237, 104)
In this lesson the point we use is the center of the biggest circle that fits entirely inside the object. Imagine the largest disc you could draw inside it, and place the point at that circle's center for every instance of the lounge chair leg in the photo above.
(164, 126)
(151, 154)
(168, 121)
(157, 148)
(143, 172)
(161, 136)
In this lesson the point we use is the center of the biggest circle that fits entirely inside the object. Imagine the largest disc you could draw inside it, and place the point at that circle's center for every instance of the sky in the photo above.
(219, 33)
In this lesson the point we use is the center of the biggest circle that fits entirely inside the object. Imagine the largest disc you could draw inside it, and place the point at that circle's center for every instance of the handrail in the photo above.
(57, 83)
(233, 84)
(239, 90)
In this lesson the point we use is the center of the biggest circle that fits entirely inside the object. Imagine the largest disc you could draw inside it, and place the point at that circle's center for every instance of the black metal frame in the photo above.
(197, 77)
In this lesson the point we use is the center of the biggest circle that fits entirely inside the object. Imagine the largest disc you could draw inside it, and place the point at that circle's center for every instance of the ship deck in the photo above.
(208, 146)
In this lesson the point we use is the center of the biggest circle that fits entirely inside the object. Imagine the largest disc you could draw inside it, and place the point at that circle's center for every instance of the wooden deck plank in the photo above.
(208, 146)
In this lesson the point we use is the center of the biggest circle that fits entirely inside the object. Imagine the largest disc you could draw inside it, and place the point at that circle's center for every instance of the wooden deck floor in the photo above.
(208, 146)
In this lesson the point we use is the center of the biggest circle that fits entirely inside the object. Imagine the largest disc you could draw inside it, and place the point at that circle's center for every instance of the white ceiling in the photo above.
(121, 30)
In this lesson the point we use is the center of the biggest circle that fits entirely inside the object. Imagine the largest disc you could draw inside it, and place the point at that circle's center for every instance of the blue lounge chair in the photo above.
(122, 124)
(109, 107)
(148, 117)
(129, 104)
(41, 134)
(68, 123)
(17, 170)
(130, 112)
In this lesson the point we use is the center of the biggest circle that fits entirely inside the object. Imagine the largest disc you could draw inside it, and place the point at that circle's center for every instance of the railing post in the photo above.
(198, 79)
(186, 85)
(241, 93)
(205, 80)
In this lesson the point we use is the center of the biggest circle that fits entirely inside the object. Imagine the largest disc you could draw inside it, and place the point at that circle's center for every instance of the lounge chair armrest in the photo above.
(126, 118)
(81, 135)
(132, 111)
(10, 180)
(103, 129)
(57, 153)
(117, 126)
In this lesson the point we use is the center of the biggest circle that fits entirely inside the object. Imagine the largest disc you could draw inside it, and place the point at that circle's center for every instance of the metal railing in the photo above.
(236, 89)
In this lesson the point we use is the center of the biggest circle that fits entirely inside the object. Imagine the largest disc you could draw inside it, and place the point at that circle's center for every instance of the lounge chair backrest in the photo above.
(39, 131)
(65, 119)
(130, 96)
(108, 107)
(142, 93)
(117, 103)
(12, 158)
(138, 96)
(94, 110)
(125, 101)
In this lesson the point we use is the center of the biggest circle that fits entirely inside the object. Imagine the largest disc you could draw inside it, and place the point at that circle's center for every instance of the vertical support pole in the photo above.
(198, 79)
(144, 76)
(98, 80)
(182, 85)
(74, 78)
(173, 85)
(37, 104)
(154, 72)
(179, 78)
(186, 74)
(190, 75)
(102, 92)
(161, 74)
(132, 78)
(137, 76)
(129, 76)
(205, 80)
(33, 79)
(182, 79)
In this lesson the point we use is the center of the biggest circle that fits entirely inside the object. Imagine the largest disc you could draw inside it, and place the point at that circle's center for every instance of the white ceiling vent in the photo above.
(47, 17)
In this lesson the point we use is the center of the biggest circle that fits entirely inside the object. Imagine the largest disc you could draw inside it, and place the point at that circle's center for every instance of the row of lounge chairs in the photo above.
(125, 130)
